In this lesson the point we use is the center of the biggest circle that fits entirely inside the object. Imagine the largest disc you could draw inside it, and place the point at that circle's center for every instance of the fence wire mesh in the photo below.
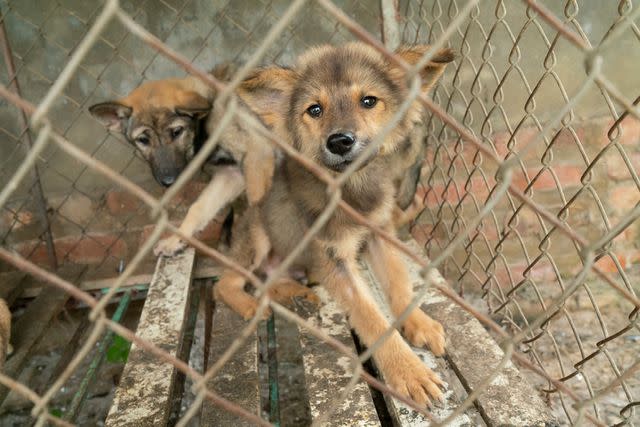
(530, 187)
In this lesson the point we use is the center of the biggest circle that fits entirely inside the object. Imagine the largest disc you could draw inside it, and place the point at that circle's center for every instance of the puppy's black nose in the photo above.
(167, 181)
(340, 143)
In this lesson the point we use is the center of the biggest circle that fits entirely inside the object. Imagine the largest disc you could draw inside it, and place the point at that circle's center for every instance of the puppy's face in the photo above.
(344, 96)
(340, 103)
(162, 119)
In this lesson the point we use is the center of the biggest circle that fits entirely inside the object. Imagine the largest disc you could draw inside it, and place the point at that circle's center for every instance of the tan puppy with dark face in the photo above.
(166, 121)
(330, 106)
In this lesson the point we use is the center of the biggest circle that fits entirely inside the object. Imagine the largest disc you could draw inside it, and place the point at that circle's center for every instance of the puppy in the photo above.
(166, 121)
(330, 106)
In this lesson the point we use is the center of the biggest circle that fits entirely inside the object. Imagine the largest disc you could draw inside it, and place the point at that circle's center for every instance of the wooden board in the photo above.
(293, 402)
(238, 380)
(509, 399)
(144, 394)
(402, 414)
(327, 371)
(203, 270)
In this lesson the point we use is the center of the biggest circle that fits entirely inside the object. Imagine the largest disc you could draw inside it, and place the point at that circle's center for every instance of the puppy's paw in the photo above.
(411, 378)
(240, 302)
(250, 311)
(286, 290)
(169, 247)
(421, 330)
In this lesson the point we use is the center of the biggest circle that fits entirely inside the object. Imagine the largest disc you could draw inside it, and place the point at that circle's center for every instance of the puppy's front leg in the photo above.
(391, 272)
(225, 186)
(402, 368)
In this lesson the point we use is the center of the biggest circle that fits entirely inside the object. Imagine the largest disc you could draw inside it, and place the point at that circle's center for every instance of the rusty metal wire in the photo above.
(524, 238)
(526, 283)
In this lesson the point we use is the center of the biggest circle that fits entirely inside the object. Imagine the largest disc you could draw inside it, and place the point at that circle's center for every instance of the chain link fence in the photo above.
(530, 187)
(573, 149)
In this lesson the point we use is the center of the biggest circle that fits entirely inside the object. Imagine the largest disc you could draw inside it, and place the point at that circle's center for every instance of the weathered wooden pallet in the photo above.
(289, 377)
(144, 396)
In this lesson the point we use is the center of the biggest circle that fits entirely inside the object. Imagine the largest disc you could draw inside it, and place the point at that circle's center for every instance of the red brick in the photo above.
(607, 264)
(523, 136)
(147, 230)
(210, 234)
(624, 197)
(567, 176)
(85, 249)
(618, 170)
(121, 202)
(541, 273)
(189, 193)
(626, 258)
(92, 249)
(630, 131)
(456, 191)
(562, 139)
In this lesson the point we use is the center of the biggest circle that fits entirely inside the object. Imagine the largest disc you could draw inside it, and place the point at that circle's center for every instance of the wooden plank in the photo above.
(144, 395)
(32, 289)
(29, 328)
(197, 351)
(509, 399)
(238, 380)
(327, 371)
(293, 402)
(402, 414)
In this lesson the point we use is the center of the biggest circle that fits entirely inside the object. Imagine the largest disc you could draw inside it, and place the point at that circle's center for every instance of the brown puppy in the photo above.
(166, 121)
(330, 107)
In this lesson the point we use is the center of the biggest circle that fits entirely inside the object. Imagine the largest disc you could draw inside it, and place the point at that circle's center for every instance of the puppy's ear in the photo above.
(432, 71)
(266, 91)
(112, 114)
(194, 105)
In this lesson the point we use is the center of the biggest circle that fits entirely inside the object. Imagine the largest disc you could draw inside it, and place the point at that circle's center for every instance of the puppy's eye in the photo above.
(368, 101)
(315, 110)
(176, 132)
(142, 140)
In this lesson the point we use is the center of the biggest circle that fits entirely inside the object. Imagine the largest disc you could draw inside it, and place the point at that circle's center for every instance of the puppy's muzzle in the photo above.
(167, 181)
(167, 164)
(340, 143)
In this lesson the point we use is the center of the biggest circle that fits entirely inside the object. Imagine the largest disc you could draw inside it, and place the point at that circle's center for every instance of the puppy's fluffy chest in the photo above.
(297, 198)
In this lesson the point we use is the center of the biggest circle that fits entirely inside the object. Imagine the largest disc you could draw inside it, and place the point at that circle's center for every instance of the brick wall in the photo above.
(453, 192)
